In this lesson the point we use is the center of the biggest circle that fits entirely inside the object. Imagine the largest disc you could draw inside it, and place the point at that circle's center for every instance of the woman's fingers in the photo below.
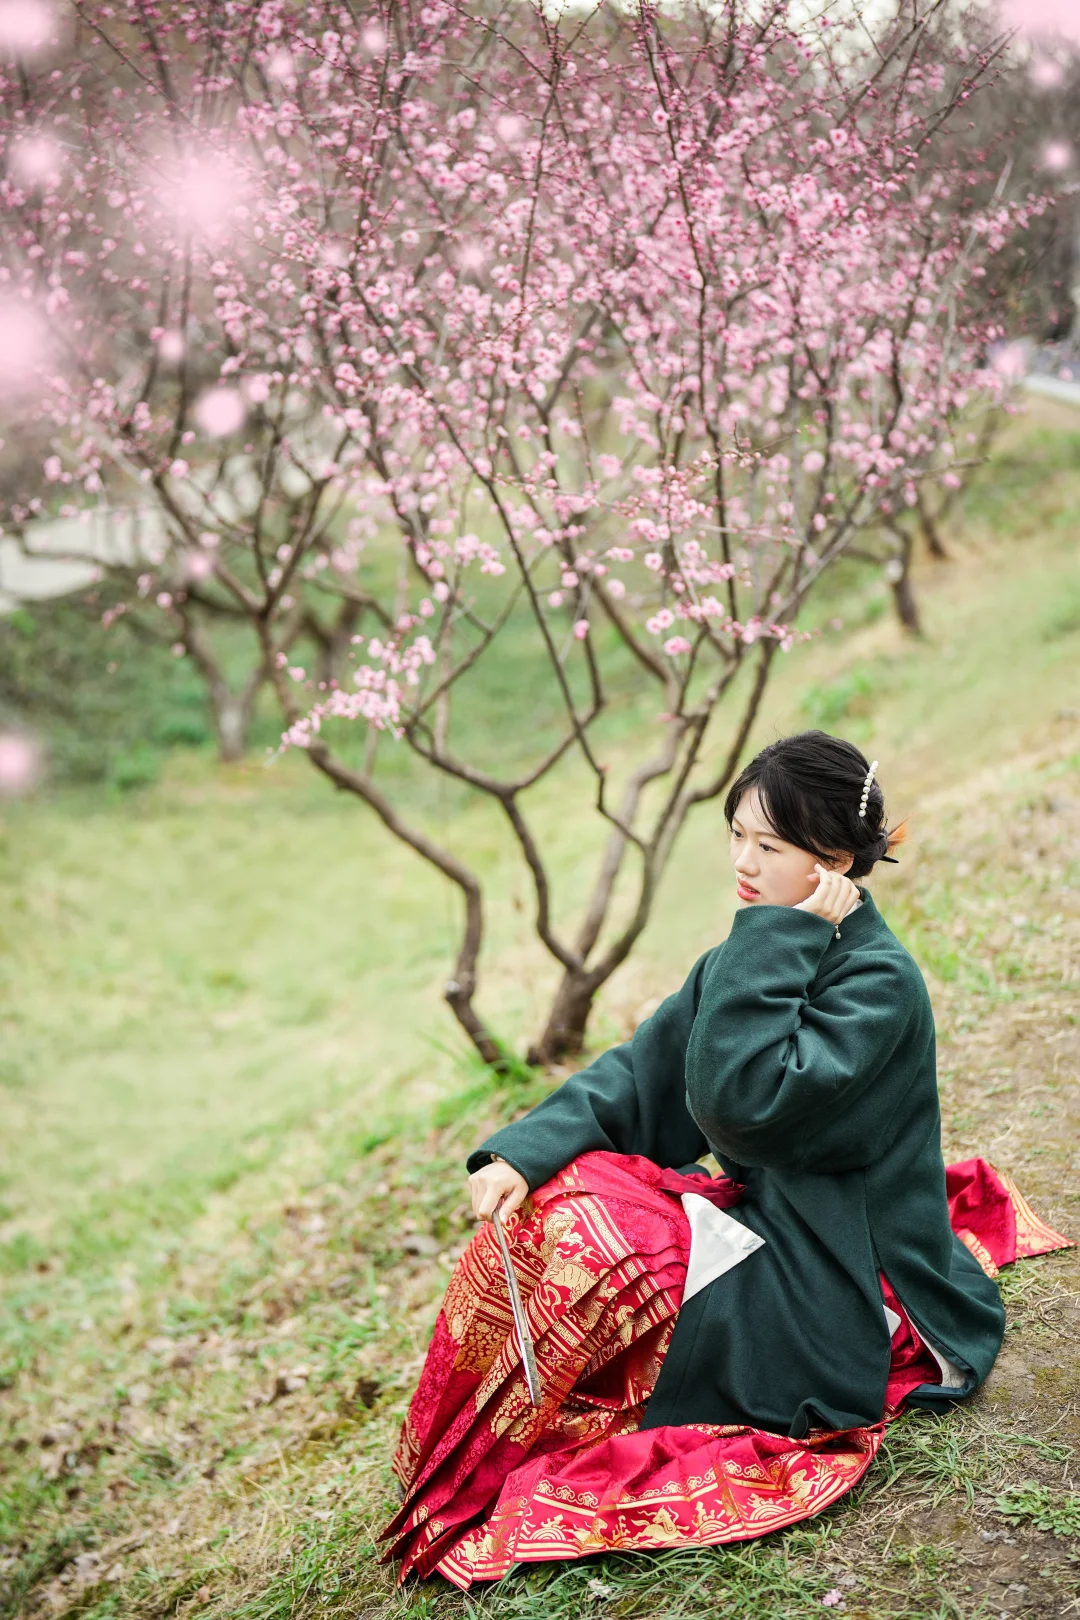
(833, 896)
(843, 897)
(480, 1188)
(492, 1191)
(514, 1198)
(494, 1186)
(489, 1203)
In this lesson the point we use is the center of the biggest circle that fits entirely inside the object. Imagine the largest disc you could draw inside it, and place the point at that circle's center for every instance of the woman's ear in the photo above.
(842, 861)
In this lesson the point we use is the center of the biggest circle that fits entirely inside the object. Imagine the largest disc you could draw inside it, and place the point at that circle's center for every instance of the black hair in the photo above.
(810, 787)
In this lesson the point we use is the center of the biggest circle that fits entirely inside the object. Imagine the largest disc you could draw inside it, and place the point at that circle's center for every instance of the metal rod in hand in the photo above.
(521, 1326)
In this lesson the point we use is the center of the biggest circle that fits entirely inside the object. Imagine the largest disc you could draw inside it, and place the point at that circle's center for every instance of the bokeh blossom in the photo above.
(21, 764)
(1044, 17)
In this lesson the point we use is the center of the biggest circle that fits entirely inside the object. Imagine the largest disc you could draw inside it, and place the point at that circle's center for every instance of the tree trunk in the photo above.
(232, 714)
(459, 998)
(907, 607)
(232, 718)
(934, 543)
(232, 710)
(898, 574)
(564, 1033)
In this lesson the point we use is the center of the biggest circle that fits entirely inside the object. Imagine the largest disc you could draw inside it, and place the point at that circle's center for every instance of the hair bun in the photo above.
(821, 794)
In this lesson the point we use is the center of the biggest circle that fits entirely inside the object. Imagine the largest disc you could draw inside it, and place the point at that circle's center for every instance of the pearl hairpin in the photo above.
(866, 789)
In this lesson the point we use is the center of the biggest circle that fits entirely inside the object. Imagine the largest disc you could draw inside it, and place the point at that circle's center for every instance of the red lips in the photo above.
(745, 891)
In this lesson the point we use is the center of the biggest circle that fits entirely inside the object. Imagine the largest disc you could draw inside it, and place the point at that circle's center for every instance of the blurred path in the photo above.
(73, 548)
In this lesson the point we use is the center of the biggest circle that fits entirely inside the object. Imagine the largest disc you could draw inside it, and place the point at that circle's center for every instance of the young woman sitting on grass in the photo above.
(718, 1355)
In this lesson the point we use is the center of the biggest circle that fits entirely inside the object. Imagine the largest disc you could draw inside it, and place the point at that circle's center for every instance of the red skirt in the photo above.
(491, 1481)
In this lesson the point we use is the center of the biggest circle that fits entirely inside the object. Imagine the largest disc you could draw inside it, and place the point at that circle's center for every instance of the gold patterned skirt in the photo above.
(600, 1254)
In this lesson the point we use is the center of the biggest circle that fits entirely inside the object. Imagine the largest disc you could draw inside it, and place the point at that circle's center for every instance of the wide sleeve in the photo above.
(788, 1073)
(632, 1099)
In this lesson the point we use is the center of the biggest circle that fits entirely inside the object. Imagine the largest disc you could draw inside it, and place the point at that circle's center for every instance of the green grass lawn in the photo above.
(220, 1002)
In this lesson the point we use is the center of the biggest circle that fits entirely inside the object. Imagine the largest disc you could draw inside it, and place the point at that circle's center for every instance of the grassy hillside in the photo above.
(233, 1111)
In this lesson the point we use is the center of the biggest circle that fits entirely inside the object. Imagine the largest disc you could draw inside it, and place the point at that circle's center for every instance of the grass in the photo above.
(942, 1459)
(234, 1115)
(111, 704)
(1056, 1511)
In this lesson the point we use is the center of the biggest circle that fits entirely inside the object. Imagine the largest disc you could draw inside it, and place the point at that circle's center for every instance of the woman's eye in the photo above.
(771, 849)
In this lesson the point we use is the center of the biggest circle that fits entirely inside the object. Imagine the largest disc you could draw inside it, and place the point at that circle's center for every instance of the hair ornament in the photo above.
(866, 789)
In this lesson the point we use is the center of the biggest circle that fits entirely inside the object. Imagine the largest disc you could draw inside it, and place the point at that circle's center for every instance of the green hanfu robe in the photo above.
(802, 1055)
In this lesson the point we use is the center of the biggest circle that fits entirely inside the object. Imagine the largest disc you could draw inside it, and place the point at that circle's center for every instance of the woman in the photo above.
(722, 1350)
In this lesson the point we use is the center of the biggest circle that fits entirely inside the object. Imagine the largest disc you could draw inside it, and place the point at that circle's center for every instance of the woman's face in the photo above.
(768, 871)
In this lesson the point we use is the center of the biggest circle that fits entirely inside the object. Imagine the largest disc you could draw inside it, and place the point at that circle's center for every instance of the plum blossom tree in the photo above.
(557, 353)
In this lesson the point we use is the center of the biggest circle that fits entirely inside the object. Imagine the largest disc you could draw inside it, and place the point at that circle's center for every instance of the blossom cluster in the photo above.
(640, 332)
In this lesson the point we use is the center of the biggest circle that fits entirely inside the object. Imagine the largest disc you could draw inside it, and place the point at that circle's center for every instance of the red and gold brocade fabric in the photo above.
(601, 1256)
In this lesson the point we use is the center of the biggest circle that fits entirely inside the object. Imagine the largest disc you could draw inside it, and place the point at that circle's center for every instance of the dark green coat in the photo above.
(803, 1057)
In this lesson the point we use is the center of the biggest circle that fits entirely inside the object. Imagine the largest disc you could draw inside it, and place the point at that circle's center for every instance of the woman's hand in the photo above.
(497, 1186)
(834, 896)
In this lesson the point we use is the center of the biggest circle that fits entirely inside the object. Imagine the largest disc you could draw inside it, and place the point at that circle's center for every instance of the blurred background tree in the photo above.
(108, 706)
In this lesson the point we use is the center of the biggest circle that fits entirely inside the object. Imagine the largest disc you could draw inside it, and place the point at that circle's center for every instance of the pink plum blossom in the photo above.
(171, 346)
(1046, 74)
(280, 66)
(201, 192)
(1057, 156)
(1011, 361)
(37, 160)
(1043, 17)
(198, 566)
(24, 345)
(21, 764)
(220, 411)
(27, 27)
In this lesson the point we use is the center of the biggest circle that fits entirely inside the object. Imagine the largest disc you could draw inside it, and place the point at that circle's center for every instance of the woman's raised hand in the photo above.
(833, 897)
(497, 1186)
